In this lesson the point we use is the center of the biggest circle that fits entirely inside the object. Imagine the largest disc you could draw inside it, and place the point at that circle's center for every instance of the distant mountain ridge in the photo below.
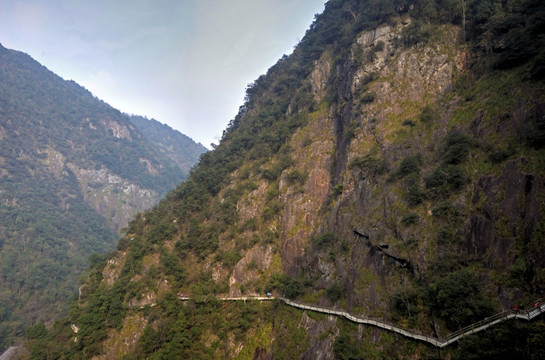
(73, 171)
(178, 147)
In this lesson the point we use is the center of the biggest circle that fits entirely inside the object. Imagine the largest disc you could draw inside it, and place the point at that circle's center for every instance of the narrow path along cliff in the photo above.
(440, 343)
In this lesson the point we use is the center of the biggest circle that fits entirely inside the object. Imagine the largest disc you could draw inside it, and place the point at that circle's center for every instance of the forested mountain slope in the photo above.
(393, 166)
(73, 171)
(178, 147)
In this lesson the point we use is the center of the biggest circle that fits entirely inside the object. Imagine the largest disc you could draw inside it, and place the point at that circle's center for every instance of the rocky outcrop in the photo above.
(124, 341)
(115, 198)
(321, 347)
(113, 268)
(319, 78)
(399, 80)
(118, 130)
(505, 206)
(303, 199)
(256, 261)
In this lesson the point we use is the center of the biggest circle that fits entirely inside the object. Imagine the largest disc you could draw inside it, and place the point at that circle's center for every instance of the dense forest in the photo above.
(72, 171)
(391, 166)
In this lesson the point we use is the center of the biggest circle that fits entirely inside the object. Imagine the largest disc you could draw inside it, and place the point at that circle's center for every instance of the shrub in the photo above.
(335, 292)
(447, 235)
(369, 164)
(536, 139)
(372, 76)
(272, 194)
(160, 232)
(351, 130)
(538, 67)
(296, 177)
(36, 332)
(346, 348)
(456, 178)
(437, 178)
(456, 149)
(307, 141)
(172, 266)
(428, 114)
(409, 122)
(293, 288)
(410, 219)
(272, 209)
(368, 97)
(405, 301)
(150, 340)
(199, 238)
(227, 258)
(409, 165)
(379, 46)
(415, 195)
(324, 240)
(446, 179)
(415, 33)
(269, 236)
(458, 299)
(445, 210)
(456, 153)
(250, 224)
(277, 282)
(499, 156)
(284, 158)
(270, 174)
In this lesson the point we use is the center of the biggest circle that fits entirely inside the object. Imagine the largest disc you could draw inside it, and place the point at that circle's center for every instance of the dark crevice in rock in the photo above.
(381, 249)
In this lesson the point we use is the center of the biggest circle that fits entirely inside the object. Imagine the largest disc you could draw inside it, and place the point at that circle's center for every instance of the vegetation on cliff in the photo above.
(391, 166)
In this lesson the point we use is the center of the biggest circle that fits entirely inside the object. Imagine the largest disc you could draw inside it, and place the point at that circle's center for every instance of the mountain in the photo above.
(73, 171)
(178, 147)
(392, 168)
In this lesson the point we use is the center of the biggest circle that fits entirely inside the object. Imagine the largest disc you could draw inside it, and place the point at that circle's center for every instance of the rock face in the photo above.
(117, 199)
(407, 77)
(256, 260)
(302, 201)
(509, 211)
(378, 173)
(321, 348)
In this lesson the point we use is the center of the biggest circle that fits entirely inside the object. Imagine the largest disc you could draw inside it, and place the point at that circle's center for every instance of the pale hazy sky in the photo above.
(185, 63)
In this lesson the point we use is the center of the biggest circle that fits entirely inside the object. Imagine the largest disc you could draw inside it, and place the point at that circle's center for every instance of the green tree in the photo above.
(458, 299)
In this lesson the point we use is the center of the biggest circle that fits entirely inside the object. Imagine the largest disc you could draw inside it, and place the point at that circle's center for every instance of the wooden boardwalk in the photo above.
(440, 343)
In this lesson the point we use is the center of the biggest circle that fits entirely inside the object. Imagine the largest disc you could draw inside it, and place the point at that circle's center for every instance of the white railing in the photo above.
(451, 338)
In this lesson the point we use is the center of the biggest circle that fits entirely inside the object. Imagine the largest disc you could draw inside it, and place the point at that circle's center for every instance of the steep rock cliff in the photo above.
(384, 168)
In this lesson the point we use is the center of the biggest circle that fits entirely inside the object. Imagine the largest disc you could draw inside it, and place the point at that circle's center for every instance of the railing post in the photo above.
(455, 336)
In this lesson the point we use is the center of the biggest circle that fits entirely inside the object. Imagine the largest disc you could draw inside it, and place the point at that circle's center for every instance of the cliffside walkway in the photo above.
(440, 343)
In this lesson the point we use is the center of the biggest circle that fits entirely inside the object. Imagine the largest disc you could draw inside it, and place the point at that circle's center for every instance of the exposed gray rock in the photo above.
(115, 198)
